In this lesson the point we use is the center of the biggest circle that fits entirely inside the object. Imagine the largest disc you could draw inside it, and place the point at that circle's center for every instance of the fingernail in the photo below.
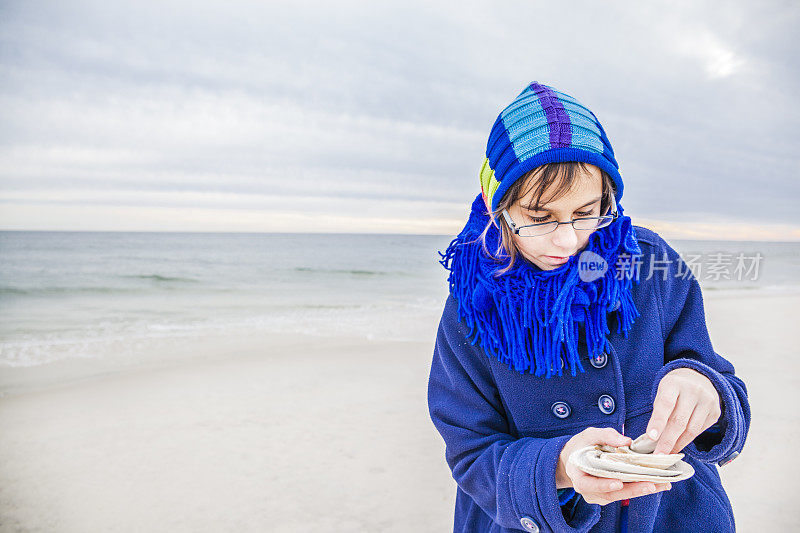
(653, 434)
(616, 486)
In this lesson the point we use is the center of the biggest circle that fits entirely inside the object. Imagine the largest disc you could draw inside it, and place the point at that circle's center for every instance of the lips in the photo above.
(555, 260)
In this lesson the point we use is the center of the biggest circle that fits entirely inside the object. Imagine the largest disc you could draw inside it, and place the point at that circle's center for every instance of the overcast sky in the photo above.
(373, 116)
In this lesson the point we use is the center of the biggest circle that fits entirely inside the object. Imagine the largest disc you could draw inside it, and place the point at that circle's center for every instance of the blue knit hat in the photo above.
(535, 320)
(543, 125)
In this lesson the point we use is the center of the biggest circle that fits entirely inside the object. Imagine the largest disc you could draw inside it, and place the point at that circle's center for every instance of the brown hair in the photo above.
(563, 174)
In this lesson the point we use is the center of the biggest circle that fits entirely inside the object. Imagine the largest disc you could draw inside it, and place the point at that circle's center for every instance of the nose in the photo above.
(564, 237)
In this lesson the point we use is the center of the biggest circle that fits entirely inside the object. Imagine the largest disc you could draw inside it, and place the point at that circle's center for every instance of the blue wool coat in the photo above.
(503, 437)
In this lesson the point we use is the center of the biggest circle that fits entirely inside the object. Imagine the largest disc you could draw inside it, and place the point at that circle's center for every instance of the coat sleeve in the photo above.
(509, 478)
(687, 344)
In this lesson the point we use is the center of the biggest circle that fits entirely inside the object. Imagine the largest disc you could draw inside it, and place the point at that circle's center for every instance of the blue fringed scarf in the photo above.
(531, 319)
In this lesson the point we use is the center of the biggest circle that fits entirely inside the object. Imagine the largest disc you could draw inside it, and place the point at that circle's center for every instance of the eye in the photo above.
(536, 220)
(583, 213)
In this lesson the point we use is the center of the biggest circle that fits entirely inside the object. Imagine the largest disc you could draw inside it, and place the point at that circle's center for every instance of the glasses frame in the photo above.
(610, 217)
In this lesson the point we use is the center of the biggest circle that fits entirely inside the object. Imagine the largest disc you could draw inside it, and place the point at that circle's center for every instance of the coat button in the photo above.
(561, 409)
(606, 404)
(529, 525)
(728, 459)
(599, 360)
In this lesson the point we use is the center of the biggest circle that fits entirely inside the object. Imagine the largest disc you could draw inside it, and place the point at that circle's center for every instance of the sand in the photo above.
(316, 434)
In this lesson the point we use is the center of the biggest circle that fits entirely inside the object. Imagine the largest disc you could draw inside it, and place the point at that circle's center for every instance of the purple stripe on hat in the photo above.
(557, 117)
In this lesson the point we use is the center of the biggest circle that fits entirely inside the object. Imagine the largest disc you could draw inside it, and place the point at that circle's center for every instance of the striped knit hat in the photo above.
(543, 125)
(536, 321)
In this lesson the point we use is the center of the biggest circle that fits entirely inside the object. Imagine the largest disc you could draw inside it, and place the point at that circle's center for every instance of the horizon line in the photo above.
(182, 232)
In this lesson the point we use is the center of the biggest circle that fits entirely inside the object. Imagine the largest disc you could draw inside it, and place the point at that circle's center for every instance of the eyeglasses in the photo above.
(579, 224)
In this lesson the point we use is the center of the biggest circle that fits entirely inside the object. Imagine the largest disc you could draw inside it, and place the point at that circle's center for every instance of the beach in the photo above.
(300, 433)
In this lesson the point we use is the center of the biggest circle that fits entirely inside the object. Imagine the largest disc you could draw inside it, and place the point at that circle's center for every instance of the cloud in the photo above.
(370, 104)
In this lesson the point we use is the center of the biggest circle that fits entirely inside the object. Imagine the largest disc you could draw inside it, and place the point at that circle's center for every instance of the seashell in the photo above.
(643, 444)
(590, 460)
(644, 459)
(634, 463)
(603, 461)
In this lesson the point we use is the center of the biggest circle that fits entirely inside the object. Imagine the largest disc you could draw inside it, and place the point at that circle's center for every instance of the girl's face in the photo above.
(554, 249)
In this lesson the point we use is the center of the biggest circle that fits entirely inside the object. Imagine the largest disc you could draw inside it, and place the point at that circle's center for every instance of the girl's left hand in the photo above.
(686, 405)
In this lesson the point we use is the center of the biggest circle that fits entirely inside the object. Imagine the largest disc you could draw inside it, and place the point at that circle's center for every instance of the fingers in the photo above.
(608, 436)
(628, 491)
(701, 420)
(640, 488)
(613, 489)
(663, 405)
(588, 484)
(587, 437)
(677, 422)
(634, 490)
(686, 404)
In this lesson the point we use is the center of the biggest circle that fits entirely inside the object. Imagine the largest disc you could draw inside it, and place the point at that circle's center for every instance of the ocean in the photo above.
(87, 295)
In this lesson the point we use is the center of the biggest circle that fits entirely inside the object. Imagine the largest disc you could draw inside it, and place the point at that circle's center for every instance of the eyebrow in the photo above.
(529, 208)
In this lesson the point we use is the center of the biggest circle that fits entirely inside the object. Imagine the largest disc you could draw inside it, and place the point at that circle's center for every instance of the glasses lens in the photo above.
(534, 231)
(592, 223)
(578, 224)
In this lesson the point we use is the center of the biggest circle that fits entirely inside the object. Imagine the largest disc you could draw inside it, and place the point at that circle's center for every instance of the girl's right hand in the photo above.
(599, 489)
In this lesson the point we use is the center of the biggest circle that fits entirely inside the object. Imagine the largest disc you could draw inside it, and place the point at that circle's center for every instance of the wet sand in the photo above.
(305, 434)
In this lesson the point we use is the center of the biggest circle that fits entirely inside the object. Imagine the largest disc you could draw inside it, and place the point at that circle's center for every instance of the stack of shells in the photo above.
(636, 462)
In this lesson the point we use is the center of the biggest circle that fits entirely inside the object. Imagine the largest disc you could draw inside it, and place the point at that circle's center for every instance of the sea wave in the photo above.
(53, 291)
(356, 272)
(751, 289)
(135, 338)
(160, 278)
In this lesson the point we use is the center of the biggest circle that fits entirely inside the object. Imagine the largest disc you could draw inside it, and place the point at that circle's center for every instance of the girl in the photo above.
(567, 326)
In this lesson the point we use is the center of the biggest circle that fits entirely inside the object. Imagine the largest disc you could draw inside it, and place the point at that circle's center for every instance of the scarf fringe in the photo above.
(532, 319)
